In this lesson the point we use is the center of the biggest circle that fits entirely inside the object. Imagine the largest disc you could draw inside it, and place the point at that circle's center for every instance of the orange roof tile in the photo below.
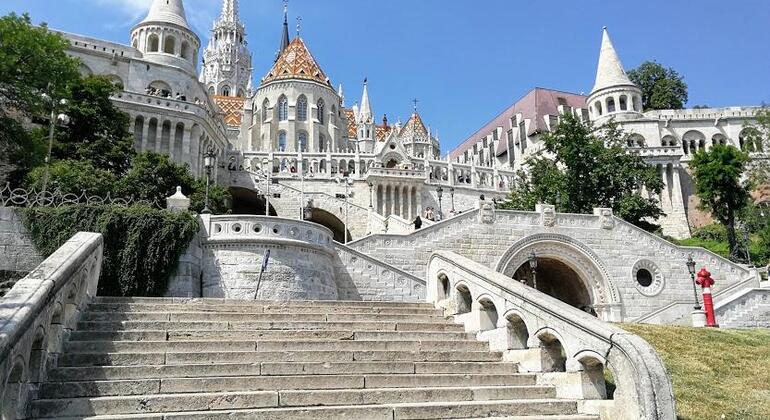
(296, 62)
(382, 131)
(350, 115)
(232, 107)
(414, 128)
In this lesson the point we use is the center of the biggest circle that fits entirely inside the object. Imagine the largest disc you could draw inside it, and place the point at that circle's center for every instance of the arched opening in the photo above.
(557, 279)
(598, 108)
(442, 291)
(169, 45)
(37, 357)
(610, 105)
(283, 109)
(246, 201)
(391, 164)
(623, 103)
(153, 43)
(138, 132)
(324, 218)
(159, 88)
(185, 50)
(518, 335)
(321, 110)
(488, 315)
(302, 108)
(12, 399)
(554, 358)
(225, 90)
(464, 299)
(265, 110)
(599, 380)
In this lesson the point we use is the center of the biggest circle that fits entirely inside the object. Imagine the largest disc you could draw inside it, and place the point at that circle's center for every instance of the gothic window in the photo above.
(152, 43)
(226, 91)
(265, 110)
(211, 90)
(302, 108)
(282, 141)
(321, 143)
(321, 111)
(283, 109)
(169, 45)
(302, 141)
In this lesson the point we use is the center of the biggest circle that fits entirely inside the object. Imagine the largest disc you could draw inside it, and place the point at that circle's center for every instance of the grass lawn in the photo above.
(717, 374)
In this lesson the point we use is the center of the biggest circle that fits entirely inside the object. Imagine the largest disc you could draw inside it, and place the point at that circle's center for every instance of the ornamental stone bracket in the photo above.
(547, 214)
(606, 219)
(486, 212)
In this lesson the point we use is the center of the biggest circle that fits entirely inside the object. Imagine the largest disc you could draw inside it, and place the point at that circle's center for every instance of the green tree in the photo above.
(662, 88)
(98, 130)
(33, 62)
(585, 167)
(718, 184)
(75, 177)
(154, 177)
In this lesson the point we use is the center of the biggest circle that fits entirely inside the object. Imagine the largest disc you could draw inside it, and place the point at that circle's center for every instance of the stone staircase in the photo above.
(209, 359)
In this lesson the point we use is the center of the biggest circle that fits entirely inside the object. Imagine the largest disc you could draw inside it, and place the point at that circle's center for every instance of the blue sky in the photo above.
(468, 60)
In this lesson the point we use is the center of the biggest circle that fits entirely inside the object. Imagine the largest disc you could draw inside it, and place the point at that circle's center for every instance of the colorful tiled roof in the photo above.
(232, 108)
(414, 128)
(382, 131)
(351, 117)
(296, 62)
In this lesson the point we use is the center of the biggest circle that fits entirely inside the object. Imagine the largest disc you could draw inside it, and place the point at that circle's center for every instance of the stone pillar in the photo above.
(665, 201)
(677, 203)
(410, 208)
(178, 202)
(186, 145)
(145, 133)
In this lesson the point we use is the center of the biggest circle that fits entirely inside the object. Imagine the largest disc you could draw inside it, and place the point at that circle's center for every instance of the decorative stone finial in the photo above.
(178, 202)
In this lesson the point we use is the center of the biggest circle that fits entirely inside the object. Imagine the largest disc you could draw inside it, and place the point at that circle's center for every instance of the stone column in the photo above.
(410, 208)
(665, 194)
(186, 145)
(404, 201)
(677, 202)
(145, 133)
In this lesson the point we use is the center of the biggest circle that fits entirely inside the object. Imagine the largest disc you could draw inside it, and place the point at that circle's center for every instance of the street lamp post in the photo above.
(440, 192)
(208, 163)
(533, 268)
(54, 119)
(452, 199)
(371, 192)
(691, 268)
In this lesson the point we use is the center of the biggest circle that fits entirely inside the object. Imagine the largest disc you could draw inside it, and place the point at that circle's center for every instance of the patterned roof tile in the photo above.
(296, 62)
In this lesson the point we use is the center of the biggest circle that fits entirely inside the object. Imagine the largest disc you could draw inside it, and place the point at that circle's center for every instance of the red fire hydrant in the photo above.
(705, 281)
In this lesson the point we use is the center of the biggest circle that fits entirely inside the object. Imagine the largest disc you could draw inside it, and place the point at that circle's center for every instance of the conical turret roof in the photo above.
(365, 113)
(296, 62)
(167, 11)
(610, 71)
(414, 128)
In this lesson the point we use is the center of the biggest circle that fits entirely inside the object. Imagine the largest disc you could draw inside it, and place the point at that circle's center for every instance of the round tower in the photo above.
(614, 95)
(164, 36)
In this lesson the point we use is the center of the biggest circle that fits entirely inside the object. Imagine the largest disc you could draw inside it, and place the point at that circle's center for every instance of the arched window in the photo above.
(599, 108)
(321, 143)
(321, 111)
(302, 108)
(283, 109)
(623, 103)
(153, 43)
(240, 93)
(185, 50)
(610, 105)
(282, 141)
(302, 141)
(211, 90)
(169, 45)
(226, 91)
(265, 110)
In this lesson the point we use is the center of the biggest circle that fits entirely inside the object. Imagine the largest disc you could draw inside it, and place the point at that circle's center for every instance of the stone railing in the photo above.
(361, 277)
(38, 313)
(546, 335)
(241, 228)
(748, 309)
(396, 173)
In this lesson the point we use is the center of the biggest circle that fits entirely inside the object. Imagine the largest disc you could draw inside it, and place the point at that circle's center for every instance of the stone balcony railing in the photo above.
(242, 229)
(397, 173)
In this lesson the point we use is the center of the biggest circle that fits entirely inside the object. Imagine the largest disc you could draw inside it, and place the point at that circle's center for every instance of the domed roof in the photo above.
(167, 11)
(296, 62)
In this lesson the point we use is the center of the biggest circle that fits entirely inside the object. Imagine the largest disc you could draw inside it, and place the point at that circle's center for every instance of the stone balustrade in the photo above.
(227, 229)
(543, 334)
(397, 173)
(38, 313)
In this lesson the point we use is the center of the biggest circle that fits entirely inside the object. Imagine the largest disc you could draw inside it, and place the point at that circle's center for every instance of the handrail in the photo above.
(644, 387)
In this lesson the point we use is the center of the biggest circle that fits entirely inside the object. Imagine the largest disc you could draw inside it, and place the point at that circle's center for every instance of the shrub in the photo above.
(141, 245)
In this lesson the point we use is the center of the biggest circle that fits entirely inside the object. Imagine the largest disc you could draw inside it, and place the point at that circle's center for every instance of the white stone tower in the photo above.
(227, 60)
(164, 36)
(613, 95)
(365, 122)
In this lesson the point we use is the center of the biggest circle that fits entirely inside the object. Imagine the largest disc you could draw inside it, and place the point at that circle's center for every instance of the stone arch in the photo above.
(463, 298)
(138, 132)
(161, 88)
(37, 356)
(610, 105)
(668, 140)
(153, 43)
(718, 139)
(553, 350)
(248, 201)
(517, 330)
(12, 400)
(636, 140)
(185, 51)
(573, 254)
(85, 70)
(169, 44)
(694, 139)
(328, 219)
(488, 314)
(443, 286)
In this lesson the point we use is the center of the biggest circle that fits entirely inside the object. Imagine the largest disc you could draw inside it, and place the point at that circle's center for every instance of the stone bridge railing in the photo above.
(546, 335)
(361, 277)
(241, 228)
(37, 315)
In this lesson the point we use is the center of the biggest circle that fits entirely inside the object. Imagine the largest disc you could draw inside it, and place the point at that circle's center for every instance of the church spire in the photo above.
(230, 11)
(610, 70)
(285, 36)
(365, 114)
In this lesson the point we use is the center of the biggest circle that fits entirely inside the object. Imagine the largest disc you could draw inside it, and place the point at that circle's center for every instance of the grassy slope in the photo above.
(717, 374)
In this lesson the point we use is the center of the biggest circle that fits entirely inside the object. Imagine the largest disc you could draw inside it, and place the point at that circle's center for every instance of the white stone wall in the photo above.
(17, 252)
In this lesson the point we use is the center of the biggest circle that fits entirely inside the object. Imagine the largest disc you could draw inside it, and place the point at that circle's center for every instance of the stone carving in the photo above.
(606, 219)
(547, 214)
(486, 212)
(658, 281)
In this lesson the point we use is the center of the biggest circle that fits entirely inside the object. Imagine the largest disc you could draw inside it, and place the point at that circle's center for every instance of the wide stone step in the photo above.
(515, 409)
(241, 302)
(292, 342)
(85, 328)
(259, 317)
(249, 307)
(160, 403)
(150, 385)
